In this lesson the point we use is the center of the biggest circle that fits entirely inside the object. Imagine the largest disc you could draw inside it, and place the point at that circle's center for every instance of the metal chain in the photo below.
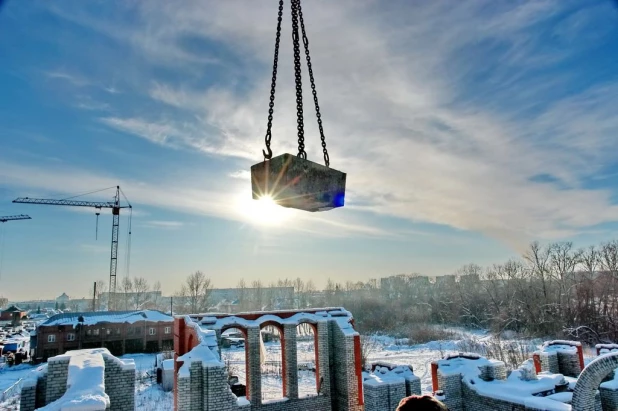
(313, 90)
(298, 80)
(271, 105)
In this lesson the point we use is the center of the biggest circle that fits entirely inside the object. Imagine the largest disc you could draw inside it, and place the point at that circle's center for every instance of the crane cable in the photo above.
(127, 255)
(2, 235)
(297, 15)
(90, 192)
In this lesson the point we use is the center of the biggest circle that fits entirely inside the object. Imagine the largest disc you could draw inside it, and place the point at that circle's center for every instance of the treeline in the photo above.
(552, 290)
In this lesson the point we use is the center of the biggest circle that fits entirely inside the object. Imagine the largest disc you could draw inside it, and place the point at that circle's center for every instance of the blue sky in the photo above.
(467, 129)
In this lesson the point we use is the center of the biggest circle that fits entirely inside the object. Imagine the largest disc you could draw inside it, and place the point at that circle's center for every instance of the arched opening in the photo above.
(272, 347)
(591, 379)
(307, 360)
(233, 346)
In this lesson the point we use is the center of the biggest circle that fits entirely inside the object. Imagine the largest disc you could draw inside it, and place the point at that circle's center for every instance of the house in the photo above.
(62, 301)
(13, 314)
(120, 332)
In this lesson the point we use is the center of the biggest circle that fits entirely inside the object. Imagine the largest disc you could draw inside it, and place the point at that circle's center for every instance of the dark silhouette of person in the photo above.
(421, 403)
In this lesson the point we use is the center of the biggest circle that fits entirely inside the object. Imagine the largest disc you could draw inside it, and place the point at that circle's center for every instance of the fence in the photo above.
(12, 390)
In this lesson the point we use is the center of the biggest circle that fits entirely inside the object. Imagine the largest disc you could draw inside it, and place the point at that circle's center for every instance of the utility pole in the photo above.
(171, 305)
(94, 297)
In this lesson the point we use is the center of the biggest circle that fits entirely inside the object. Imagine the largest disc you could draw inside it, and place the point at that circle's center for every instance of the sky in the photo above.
(466, 129)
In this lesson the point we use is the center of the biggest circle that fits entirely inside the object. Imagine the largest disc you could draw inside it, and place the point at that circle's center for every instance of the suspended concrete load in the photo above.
(288, 180)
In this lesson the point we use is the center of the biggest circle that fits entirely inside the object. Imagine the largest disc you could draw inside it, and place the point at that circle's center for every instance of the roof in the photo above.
(64, 296)
(101, 317)
(13, 309)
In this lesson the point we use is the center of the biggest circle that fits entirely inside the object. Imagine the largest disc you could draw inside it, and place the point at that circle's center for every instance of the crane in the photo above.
(4, 219)
(98, 205)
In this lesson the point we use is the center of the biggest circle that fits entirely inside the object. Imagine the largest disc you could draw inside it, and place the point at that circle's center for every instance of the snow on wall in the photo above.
(85, 383)
(340, 315)
(206, 350)
(516, 389)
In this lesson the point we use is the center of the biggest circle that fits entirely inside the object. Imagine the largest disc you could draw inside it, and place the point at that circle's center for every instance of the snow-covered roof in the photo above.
(14, 309)
(120, 317)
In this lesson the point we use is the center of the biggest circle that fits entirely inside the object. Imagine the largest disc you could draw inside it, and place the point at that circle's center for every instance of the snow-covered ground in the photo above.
(148, 394)
(150, 397)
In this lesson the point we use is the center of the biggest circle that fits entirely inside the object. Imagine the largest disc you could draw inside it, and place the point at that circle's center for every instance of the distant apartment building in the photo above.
(120, 332)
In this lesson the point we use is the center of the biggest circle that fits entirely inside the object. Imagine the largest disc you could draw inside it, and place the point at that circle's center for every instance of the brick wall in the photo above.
(385, 396)
(51, 384)
(57, 374)
(337, 369)
(119, 385)
(346, 395)
(27, 402)
(590, 379)
(568, 363)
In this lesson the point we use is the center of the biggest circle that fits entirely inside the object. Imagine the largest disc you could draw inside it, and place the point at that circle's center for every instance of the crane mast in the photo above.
(115, 207)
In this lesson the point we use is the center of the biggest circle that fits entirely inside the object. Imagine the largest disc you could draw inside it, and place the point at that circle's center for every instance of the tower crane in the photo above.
(98, 205)
(4, 219)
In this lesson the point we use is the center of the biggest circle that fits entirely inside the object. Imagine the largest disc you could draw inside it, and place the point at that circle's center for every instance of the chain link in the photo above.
(271, 105)
(297, 14)
(298, 80)
(313, 90)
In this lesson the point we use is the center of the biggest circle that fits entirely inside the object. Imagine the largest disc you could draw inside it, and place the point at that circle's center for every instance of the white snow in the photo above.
(386, 375)
(168, 364)
(206, 350)
(561, 345)
(107, 317)
(513, 389)
(343, 318)
(242, 401)
(85, 382)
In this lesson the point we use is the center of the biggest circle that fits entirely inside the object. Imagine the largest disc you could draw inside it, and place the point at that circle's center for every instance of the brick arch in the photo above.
(243, 330)
(314, 327)
(590, 379)
(236, 326)
(284, 365)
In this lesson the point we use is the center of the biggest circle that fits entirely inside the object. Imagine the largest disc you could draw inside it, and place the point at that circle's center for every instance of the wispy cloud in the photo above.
(73, 79)
(439, 112)
(168, 225)
(225, 198)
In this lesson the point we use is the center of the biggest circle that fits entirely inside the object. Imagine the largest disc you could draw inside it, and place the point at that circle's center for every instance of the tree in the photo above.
(140, 290)
(127, 289)
(196, 291)
(156, 295)
(99, 294)
(242, 294)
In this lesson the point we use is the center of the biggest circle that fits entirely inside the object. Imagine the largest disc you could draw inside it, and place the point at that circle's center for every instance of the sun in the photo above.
(264, 211)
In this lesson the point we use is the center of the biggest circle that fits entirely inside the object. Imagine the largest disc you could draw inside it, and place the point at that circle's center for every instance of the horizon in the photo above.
(466, 131)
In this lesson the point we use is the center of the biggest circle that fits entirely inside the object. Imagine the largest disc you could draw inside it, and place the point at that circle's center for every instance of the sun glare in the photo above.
(264, 211)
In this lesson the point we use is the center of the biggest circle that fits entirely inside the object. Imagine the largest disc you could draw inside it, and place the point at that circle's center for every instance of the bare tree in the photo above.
(156, 296)
(242, 295)
(127, 289)
(140, 291)
(196, 291)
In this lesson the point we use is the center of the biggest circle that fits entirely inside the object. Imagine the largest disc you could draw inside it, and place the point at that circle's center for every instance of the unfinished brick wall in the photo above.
(590, 379)
(338, 364)
(50, 384)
